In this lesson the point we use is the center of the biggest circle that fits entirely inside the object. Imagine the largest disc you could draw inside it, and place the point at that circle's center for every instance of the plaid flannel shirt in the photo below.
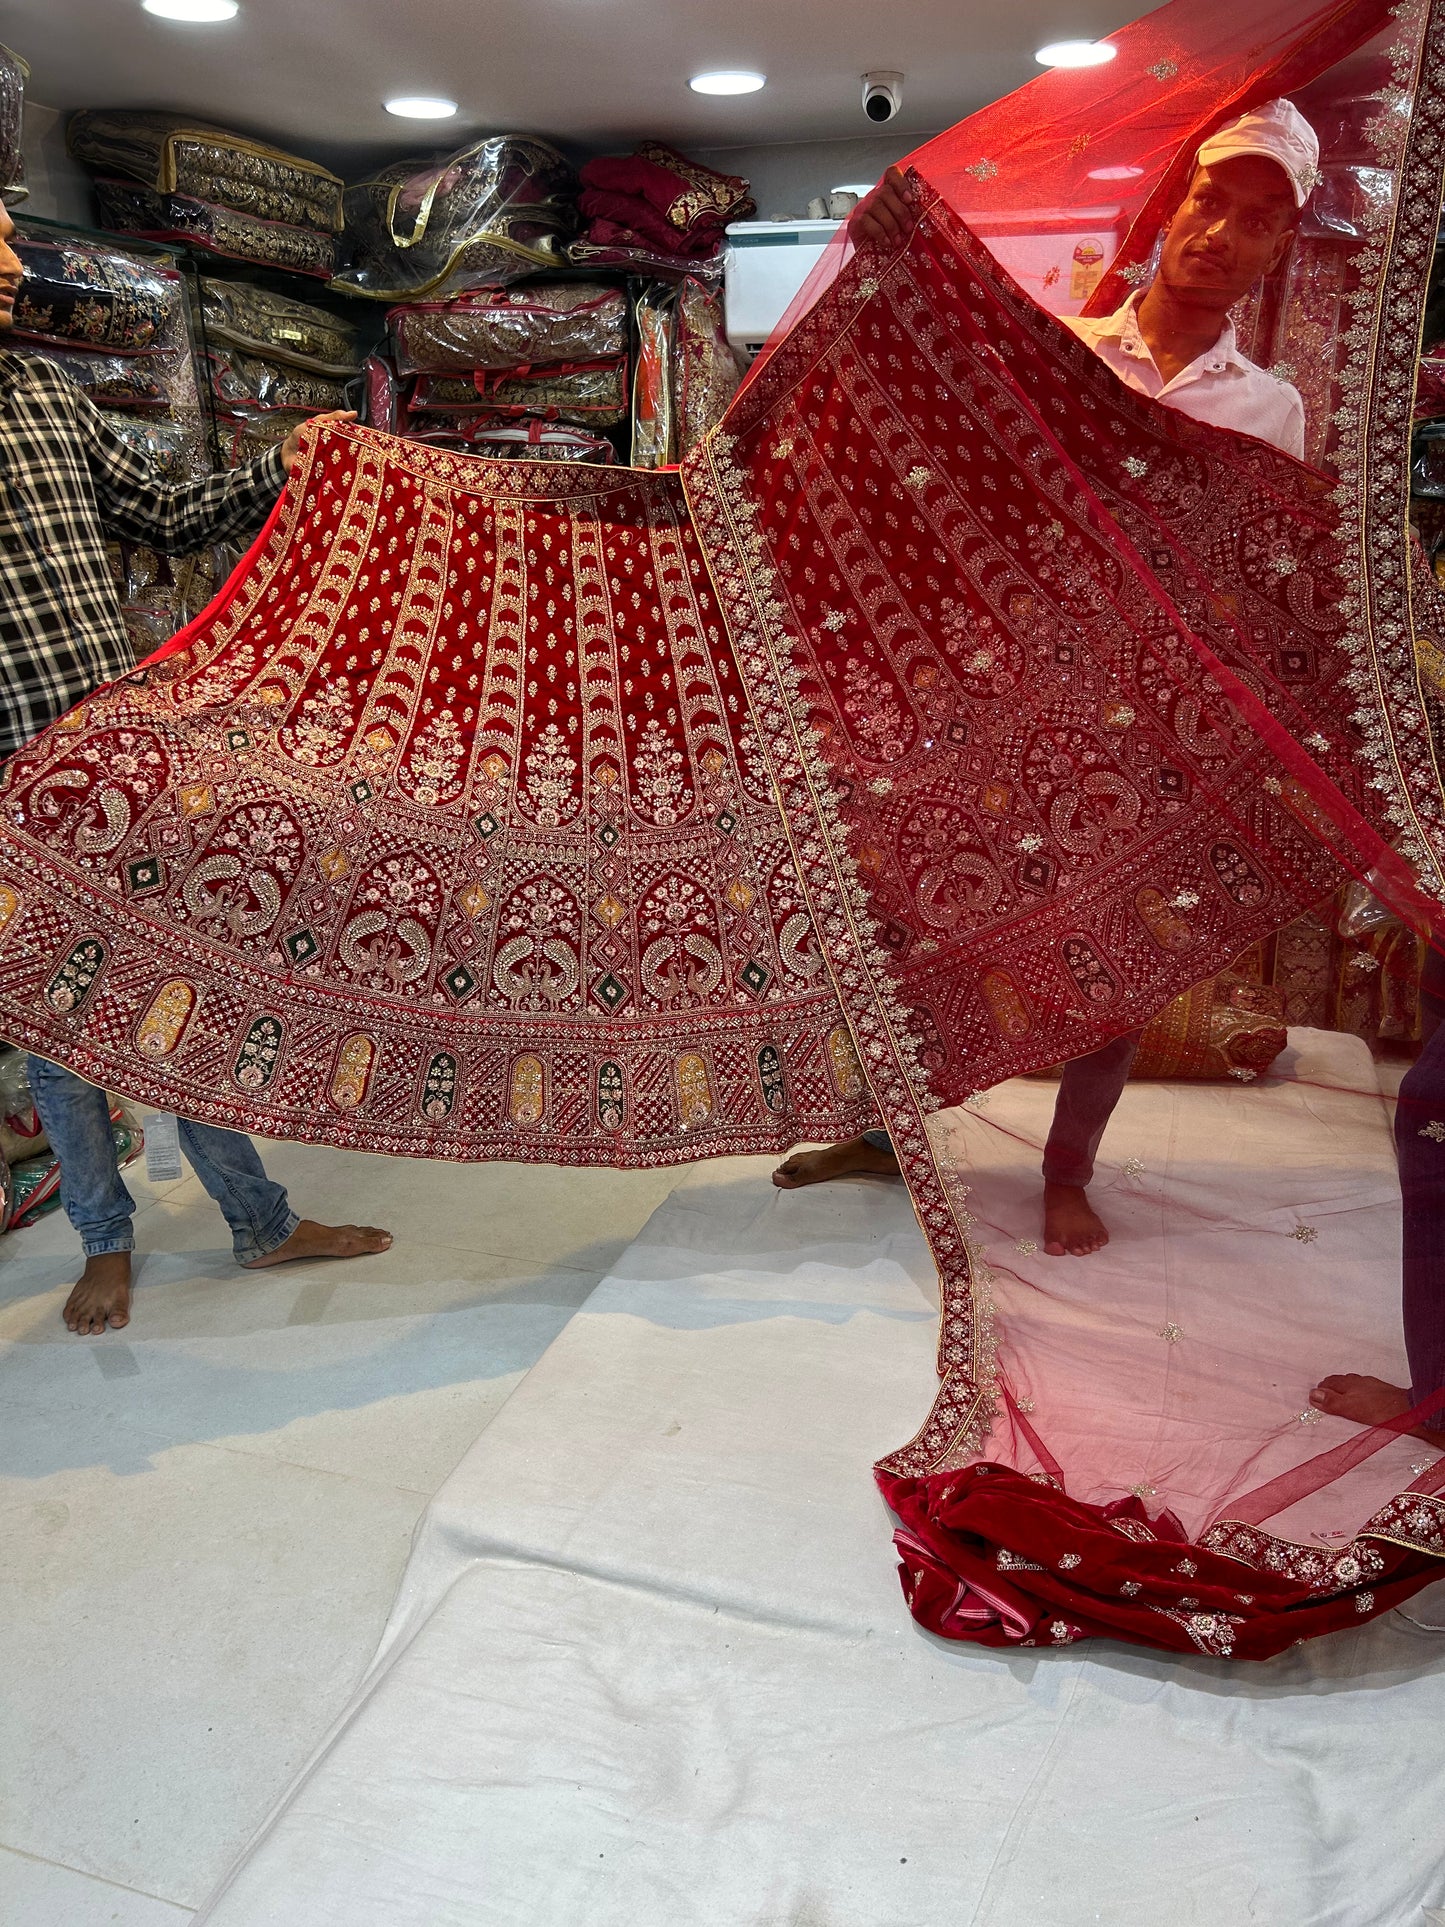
(67, 480)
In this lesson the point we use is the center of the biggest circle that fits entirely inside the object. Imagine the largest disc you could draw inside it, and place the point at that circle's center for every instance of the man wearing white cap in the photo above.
(1175, 343)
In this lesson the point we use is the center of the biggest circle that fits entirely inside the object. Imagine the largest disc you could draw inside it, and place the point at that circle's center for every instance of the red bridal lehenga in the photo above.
(950, 712)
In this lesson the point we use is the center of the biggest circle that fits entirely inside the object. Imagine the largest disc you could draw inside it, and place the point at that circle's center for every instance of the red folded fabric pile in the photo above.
(657, 201)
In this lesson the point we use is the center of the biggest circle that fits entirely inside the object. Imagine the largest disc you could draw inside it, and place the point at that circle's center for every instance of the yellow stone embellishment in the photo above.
(694, 1090)
(474, 899)
(527, 1098)
(353, 1072)
(197, 799)
(164, 1023)
(739, 894)
(9, 904)
(609, 910)
(333, 865)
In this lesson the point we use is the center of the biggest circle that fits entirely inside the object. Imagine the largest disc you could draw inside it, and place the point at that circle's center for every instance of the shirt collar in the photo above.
(1123, 326)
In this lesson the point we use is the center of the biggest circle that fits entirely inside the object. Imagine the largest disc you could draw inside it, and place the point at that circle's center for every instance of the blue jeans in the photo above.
(1420, 1142)
(77, 1122)
(1089, 1088)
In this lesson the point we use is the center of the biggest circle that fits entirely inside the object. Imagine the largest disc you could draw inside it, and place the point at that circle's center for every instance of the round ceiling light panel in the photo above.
(1075, 53)
(421, 107)
(731, 82)
(197, 12)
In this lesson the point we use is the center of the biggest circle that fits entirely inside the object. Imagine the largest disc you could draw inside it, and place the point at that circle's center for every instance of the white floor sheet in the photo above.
(650, 1665)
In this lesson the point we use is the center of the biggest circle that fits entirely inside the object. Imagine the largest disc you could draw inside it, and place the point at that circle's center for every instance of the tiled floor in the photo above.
(203, 1518)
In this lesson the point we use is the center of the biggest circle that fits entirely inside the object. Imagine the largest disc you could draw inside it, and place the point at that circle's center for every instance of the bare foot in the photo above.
(1072, 1227)
(843, 1160)
(312, 1240)
(1368, 1401)
(101, 1301)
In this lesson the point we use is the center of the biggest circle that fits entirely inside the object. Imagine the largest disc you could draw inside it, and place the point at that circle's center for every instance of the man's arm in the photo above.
(174, 517)
(179, 517)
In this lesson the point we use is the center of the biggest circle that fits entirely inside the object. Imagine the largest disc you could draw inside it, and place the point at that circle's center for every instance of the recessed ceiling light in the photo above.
(727, 83)
(1075, 53)
(421, 107)
(1115, 173)
(195, 10)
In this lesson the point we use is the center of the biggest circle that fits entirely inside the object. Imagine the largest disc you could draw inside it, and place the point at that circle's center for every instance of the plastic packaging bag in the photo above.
(129, 208)
(705, 373)
(171, 154)
(594, 396)
(13, 75)
(273, 325)
(95, 296)
(238, 379)
(510, 328)
(113, 381)
(485, 215)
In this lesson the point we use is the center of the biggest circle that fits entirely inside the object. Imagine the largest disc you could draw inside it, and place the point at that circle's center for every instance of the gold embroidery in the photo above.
(694, 1090)
(165, 1022)
(354, 1063)
(526, 1101)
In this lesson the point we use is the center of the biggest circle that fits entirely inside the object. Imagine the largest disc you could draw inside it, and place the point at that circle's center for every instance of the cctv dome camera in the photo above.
(882, 96)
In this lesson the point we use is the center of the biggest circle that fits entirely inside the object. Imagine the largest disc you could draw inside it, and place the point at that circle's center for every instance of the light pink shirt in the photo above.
(1221, 386)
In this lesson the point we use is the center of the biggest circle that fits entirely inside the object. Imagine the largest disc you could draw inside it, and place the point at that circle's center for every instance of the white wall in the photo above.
(59, 189)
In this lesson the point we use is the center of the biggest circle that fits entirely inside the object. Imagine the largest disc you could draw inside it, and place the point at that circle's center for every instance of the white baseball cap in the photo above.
(1278, 132)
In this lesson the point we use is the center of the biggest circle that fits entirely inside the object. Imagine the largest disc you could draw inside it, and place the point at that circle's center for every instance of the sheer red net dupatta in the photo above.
(1068, 695)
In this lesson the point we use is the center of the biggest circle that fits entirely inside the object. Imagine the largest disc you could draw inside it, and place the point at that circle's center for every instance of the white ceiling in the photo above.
(592, 72)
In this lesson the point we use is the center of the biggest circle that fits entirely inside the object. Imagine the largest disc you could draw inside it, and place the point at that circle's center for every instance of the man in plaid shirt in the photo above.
(67, 480)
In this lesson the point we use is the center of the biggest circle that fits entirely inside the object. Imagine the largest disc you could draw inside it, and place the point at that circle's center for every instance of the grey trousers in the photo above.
(1089, 1088)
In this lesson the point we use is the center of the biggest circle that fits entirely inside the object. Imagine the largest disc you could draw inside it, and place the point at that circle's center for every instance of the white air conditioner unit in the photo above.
(765, 265)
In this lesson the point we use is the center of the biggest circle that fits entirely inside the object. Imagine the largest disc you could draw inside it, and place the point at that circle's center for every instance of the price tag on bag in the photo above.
(163, 1147)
